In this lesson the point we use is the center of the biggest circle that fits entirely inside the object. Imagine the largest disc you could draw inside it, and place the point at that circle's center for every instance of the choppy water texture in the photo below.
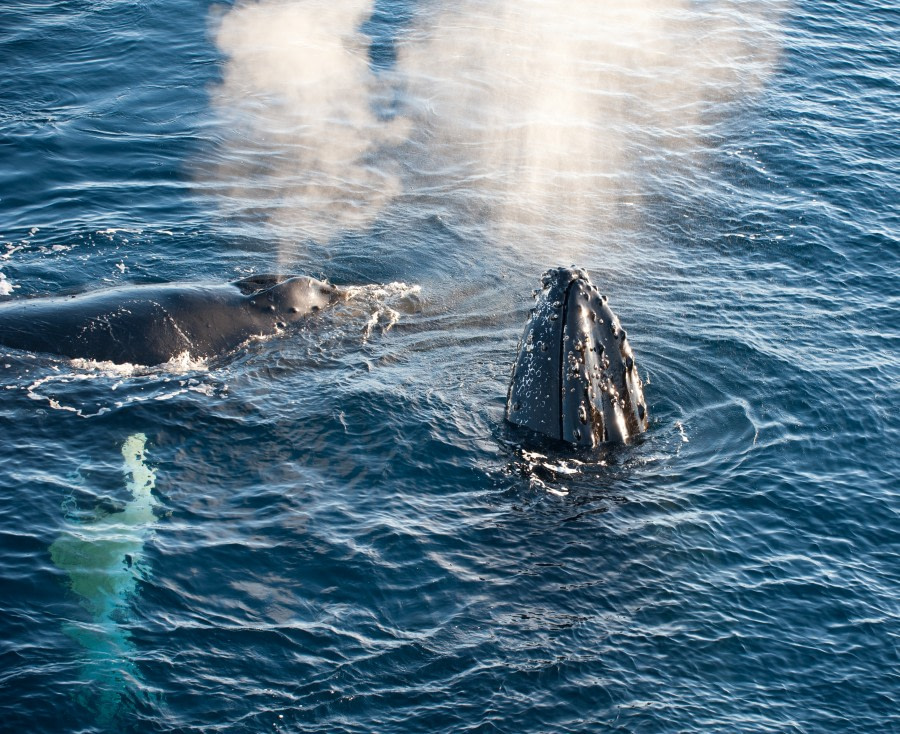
(334, 531)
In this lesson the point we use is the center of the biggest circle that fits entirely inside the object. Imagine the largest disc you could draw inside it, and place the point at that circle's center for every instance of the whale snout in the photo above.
(296, 297)
(307, 294)
(575, 378)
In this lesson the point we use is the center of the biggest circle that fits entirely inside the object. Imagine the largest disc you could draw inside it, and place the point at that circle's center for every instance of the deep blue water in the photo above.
(333, 530)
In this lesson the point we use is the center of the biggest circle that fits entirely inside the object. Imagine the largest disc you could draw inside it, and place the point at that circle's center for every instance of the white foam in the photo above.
(33, 391)
(181, 363)
(6, 287)
(535, 461)
(11, 249)
(110, 231)
(49, 388)
(383, 291)
(384, 304)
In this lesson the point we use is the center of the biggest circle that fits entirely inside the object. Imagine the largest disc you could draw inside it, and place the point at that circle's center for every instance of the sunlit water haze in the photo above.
(333, 529)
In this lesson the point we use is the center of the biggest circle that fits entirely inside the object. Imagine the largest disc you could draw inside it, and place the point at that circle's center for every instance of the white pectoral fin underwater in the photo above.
(103, 560)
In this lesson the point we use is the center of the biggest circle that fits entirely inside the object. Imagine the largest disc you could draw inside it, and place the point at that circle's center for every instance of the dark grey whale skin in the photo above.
(151, 324)
(575, 379)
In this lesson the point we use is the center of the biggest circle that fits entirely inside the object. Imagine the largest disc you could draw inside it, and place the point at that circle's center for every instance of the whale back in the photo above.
(151, 324)
(260, 282)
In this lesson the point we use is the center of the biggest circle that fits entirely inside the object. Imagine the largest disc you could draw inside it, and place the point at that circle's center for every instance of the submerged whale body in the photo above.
(575, 379)
(152, 324)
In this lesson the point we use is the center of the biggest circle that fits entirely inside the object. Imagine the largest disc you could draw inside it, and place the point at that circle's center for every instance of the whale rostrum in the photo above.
(152, 324)
(575, 378)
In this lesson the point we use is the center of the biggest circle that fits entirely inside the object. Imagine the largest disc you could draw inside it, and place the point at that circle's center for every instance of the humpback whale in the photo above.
(575, 378)
(151, 324)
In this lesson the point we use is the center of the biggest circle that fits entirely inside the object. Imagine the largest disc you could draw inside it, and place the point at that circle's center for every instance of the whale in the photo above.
(574, 379)
(154, 323)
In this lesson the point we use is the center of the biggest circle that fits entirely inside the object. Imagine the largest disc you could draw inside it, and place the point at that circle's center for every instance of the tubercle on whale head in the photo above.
(294, 297)
(575, 378)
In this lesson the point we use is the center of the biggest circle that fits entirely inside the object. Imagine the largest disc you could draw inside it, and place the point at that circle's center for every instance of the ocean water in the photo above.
(333, 530)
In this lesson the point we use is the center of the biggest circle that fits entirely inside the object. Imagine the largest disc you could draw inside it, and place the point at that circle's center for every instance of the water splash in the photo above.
(103, 560)
(383, 305)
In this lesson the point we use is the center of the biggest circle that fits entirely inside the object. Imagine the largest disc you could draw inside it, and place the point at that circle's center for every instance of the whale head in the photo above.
(290, 299)
(575, 378)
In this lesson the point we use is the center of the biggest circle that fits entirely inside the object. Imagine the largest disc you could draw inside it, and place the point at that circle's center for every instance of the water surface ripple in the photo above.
(333, 530)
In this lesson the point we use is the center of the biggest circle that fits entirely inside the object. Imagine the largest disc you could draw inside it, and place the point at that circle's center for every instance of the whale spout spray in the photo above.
(575, 378)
